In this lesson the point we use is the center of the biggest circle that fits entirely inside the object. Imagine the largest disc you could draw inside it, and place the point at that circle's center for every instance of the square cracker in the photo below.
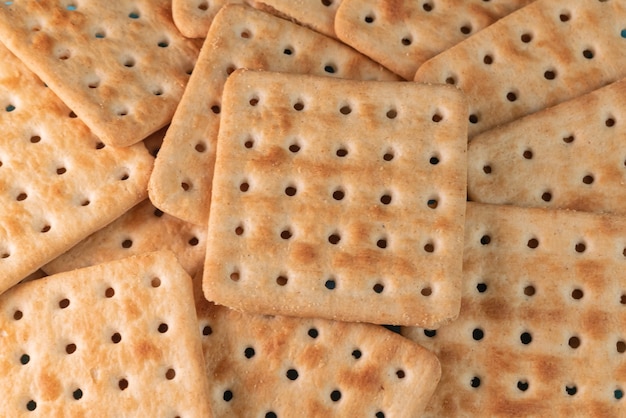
(240, 37)
(194, 17)
(58, 182)
(338, 199)
(545, 53)
(258, 365)
(569, 156)
(120, 65)
(402, 35)
(142, 229)
(117, 339)
(542, 327)
(318, 15)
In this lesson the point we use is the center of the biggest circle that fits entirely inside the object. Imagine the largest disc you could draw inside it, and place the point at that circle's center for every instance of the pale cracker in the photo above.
(402, 35)
(263, 365)
(569, 156)
(58, 182)
(545, 53)
(338, 199)
(193, 17)
(117, 339)
(542, 327)
(318, 15)
(121, 65)
(142, 229)
(240, 37)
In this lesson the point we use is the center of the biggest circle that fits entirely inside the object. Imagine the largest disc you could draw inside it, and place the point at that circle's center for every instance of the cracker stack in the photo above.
(383, 164)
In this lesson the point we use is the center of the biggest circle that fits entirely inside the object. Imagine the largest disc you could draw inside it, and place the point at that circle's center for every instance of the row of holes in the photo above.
(524, 385)
(370, 18)
(109, 292)
(128, 243)
(526, 338)
(530, 290)
(533, 243)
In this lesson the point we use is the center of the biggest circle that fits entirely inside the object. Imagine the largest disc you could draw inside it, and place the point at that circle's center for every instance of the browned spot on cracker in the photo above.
(49, 385)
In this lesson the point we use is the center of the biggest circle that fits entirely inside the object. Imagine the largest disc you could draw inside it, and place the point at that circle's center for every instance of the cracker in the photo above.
(545, 53)
(402, 35)
(193, 17)
(318, 15)
(338, 199)
(541, 328)
(569, 156)
(121, 66)
(142, 229)
(263, 365)
(58, 182)
(117, 339)
(240, 37)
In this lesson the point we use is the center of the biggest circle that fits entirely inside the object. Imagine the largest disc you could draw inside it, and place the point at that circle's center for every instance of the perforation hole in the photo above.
(488, 59)
(281, 280)
(228, 395)
(529, 290)
(546, 196)
(574, 342)
(61, 170)
(475, 382)
(391, 114)
(21, 197)
(245, 34)
(433, 160)
(385, 199)
(571, 390)
(577, 294)
(215, 109)
(234, 276)
(17, 315)
(335, 395)
(249, 352)
(330, 68)
(155, 282)
(378, 288)
(473, 118)
(170, 374)
(334, 238)
(24, 359)
(204, 6)
(288, 51)
(487, 169)
(109, 293)
(432, 203)
(70, 348)
(588, 53)
(127, 243)
(478, 334)
(292, 374)
(522, 385)
(528, 154)
(610, 122)
(330, 284)
(428, 7)
(163, 44)
(369, 19)
(481, 287)
(400, 374)
(291, 191)
(341, 152)
(427, 291)
(618, 394)
(549, 74)
(533, 243)
(134, 15)
(286, 234)
(580, 247)
(564, 17)
(64, 55)
(466, 29)
(163, 327)
(526, 38)
(116, 338)
(64, 303)
(406, 41)
(45, 228)
(388, 156)
(254, 101)
(568, 139)
(77, 394)
(429, 247)
(526, 338)
(485, 240)
(313, 333)
(620, 346)
(588, 179)
(338, 194)
(244, 187)
(345, 110)
(430, 333)
(299, 106)
(450, 80)
(207, 330)
(122, 384)
(31, 405)
(239, 230)
(437, 118)
(294, 148)
(193, 241)
(381, 243)
(356, 354)
(271, 414)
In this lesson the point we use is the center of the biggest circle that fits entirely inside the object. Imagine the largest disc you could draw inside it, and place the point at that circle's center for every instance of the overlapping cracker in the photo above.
(117, 339)
(263, 365)
(120, 65)
(193, 17)
(402, 35)
(338, 199)
(142, 229)
(569, 156)
(543, 317)
(545, 53)
(318, 15)
(240, 37)
(58, 182)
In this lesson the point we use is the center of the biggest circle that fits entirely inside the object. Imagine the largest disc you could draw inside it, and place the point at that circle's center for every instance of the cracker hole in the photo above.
(45, 228)
(392, 114)
(271, 414)
(204, 6)
(163, 327)
(330, 68)
(157, 212)
(400, 374)
(313, 333)
(378, 288)
(481, 287)
(335, 395)
(234, 276)
(286, 234)
(288, 51)
(77, 394)
(428, 7)
(228, 395)
(473, 118)
(564, 17)
(100, 145)
(380, 414)
(526, 38)
(356, 354)
(127, 243)
(35, 139)
(588, 53)
(528, 154)
(239, 230)
(406, 41)
(207, 330)
(163, 44)
(522, 385)
(155, 282)
(618, 394)
(109, 293)
(281, 280)
(20, 197)
(369, 19)
(338, 195)
(64, 55)
(546, 196)
(475, 382)
(526, 338)
(434, 160)
(466, 29)
(64, 303)
(291, 191)
(574, 342)
(116, 338)
(216, 109)
(61, 170)
(388, 156)
(254, 101)
(610, 122)
(529, 290)
(94, 84)
(432, 203)
(478, 334)
(385, 199)
(244, 187)
(511, 96)
(580, 247)
(294, 148)
(549, 74)
(245, 34)
(24, 359)
(134, 15)
(299, 106)
(588, 179)
(485, 240)
(334, 239)
(429, 247)
(17, 315)
(193, 241)
(571, 390)
(31, 405)
(122, 384)
(622, 299)
(427, 291)
(577, 294)
(623, 33)
(73, 115)
(230, 69)
(488, 59)
(70, 348)
(620, 346)
(450, 80)
(487, 169)
(330, 284)
(381, 243)
(533, 243)
(292, 374)
(345, 110)
(341, 152)
(5, 255)
(85, 202)
(430, 333)
(327, 2)
(249, 352)
(100, 35)
(437, 118)
(170, 374)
